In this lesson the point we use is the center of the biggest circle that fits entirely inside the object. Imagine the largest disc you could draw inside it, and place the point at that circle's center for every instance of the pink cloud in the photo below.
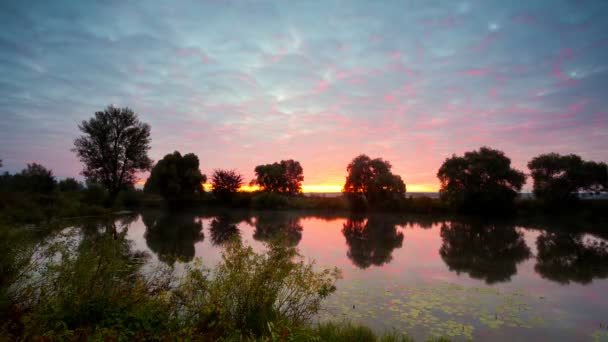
(565, 55)
(389, 98)
(477, 72)
(486, 41)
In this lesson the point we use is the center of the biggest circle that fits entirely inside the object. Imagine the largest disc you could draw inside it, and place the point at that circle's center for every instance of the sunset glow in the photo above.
(320, 82)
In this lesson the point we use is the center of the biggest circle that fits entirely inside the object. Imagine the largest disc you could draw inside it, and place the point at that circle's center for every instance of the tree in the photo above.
(481, 181)
(176, 178)
(566, 257)
(35, 178)
(371, 180)
(70, 185)
(114, 148)
(284, 177)
(226, 183)
(371, 241)
(484, 251)
(558, 178)
(173, 236)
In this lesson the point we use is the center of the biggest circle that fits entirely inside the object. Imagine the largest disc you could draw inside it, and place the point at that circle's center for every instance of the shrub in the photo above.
(247, 290)
(268, 200)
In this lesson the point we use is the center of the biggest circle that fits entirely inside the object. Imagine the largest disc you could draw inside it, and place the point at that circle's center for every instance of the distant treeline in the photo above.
(114, 147)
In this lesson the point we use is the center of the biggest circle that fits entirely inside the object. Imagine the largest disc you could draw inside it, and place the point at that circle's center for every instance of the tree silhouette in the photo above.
(226, 183)
(371, 180)
(481, 181)
(177, 178)
(558, 178)
(114, 148)
(490, 252)
(70, 185)
(278, 227)
(284, 177)
(224, 227)
(569, 257)
(35, 178)
(371, 241)
(172, 236)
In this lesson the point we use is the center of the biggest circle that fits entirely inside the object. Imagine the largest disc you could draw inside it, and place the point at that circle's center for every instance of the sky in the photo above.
(243, 83)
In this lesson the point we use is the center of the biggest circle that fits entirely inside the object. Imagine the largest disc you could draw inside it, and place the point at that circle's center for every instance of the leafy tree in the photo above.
(482, 181)
(372, 180)
(114, 148)
(558, 178)
(224, 228)
(173, 236)
(485, 251)
(371, 241)
(281, 228)
(35, 178)
(284, 177)
(176, 177)
(70, 185)
(226, 183)
(569, 257)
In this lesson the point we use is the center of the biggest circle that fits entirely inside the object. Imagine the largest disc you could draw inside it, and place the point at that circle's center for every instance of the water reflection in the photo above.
(489, 252)
(569, 257)
(278, 226)
(172, 237)
(371, 241)
(224, 227)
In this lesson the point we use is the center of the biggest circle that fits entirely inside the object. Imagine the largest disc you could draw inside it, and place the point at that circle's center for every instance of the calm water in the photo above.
(491, 281)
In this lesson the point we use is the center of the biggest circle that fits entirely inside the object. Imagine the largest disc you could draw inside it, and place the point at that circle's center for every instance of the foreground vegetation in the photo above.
(88, 284)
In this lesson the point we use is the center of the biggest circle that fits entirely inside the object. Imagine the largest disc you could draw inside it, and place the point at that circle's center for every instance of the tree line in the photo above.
(114, 148)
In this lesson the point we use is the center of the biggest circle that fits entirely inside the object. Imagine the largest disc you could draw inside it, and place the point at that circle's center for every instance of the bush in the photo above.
(247, 291)
(268, 200)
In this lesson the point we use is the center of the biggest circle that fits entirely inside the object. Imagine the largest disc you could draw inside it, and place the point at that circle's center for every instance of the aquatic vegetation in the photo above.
(437, 309)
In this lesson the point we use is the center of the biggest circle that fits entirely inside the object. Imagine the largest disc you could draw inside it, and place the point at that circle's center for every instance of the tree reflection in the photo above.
(224, 227)
(569, 257)
(371, 241)
(490, 252)
(172, 236)
(279, 227)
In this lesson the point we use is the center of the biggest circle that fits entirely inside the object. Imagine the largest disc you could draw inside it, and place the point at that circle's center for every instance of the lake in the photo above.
(461, 279)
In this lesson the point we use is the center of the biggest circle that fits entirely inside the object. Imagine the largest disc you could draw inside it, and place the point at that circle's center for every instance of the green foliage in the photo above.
(129, 198)
(70, 185)
(284, 177)
(35, 178)
(93, 287)
(176, 178)
(559, 178)
(370, 181)
(226, 184)
(268, 200)
(247, 290)
(480, 181)
(113, 148)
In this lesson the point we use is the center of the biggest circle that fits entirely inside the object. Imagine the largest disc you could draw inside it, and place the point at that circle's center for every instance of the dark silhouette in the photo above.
(571, 257)
(224, 227)
(284, 178)
(226, 184)
(114, 148)
(35, 178)
(70, 185)
(559, 178)
(370, 180)
(278, 227)
(485, 251)
(176, 178)
(480, 181)
(172, 237)
(371, 241)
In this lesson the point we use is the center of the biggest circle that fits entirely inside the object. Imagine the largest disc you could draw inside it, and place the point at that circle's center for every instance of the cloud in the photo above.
(242, 83)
